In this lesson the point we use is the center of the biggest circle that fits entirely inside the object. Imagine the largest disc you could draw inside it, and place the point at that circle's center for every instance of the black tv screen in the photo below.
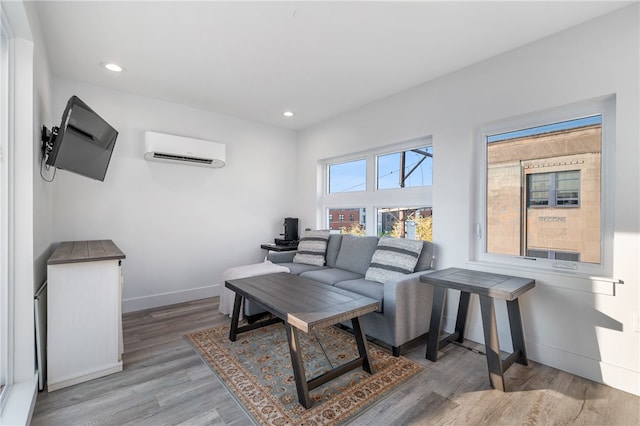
(84, 142)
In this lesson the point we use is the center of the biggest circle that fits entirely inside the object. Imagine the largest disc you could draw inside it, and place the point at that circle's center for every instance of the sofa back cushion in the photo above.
(355, 253)
(425, 261)
(312, 247)
(393, 258)
(333, 248)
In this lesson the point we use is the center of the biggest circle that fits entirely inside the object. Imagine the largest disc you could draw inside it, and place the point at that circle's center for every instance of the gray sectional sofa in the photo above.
(405, 302)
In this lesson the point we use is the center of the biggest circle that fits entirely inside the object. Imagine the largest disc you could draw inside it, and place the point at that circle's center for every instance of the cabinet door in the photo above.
(83, 322)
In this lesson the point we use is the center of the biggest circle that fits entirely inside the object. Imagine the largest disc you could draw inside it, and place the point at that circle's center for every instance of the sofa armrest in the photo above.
(407, 305)
(281, 256)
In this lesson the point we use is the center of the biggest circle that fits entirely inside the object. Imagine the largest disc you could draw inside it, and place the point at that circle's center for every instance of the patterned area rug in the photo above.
(256, 368)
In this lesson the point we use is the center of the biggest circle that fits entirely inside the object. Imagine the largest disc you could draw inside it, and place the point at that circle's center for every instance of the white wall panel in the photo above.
(180, 226)
(588, 334)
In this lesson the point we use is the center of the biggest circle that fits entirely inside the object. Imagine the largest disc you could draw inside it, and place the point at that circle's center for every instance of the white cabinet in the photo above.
(84, 318)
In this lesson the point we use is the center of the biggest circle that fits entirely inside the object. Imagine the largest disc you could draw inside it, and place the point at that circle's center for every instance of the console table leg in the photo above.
(433, 338)
(517, 333)
(298, 367)
(461, 319)
(492, 344)
(233, 330)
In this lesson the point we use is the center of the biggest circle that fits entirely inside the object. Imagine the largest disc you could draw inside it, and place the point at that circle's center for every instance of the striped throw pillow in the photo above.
(393, 258)
(312, 247)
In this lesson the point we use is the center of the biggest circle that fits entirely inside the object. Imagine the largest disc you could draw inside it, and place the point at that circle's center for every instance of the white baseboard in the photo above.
(59, 383)
(170, 298)
(593, 369)
(21, 401)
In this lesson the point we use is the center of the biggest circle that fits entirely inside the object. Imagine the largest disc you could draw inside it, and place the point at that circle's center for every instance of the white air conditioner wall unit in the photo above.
(182, 150)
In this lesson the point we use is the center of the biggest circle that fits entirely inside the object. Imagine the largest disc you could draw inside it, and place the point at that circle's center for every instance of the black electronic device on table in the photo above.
(290, 233)
(290, 229)
(290, 240)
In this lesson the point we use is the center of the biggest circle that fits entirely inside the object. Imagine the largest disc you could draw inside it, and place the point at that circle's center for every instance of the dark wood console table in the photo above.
(488, 287)
(275, 247)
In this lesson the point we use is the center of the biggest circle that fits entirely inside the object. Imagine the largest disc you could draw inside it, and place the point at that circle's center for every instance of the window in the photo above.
(381, 181)
(561, 189)
(545, 193)
(355, 225)
(405, 169)
(414, 223)
(347, 177)
(551, 254)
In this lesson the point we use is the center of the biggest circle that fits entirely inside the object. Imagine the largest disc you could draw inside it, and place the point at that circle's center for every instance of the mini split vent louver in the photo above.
(182, 150)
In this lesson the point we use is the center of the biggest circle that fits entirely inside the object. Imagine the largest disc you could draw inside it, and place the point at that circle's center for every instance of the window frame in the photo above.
(6, 237)
(372, 199)
(604, 106)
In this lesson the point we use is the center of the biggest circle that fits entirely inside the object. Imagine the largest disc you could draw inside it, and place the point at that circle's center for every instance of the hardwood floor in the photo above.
(164, 382)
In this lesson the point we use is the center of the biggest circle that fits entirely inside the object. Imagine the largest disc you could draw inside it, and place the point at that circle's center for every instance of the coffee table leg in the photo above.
(361, 341)
(298, 367)
(233, 331)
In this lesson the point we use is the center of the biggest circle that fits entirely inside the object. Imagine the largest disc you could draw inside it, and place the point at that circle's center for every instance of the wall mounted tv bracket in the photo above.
(47, 140)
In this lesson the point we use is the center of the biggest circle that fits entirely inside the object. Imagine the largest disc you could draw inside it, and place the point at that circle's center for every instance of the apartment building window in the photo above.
(553, 254)
(561, 189)
(400, 174)
(355, 224)
(545, 194)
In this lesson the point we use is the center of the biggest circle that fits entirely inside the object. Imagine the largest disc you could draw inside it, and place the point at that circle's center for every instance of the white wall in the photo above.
(42, 191)
(30, 207)
(179, 226)
(577, 331)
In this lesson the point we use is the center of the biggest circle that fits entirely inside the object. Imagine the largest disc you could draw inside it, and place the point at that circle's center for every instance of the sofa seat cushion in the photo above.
(364, 287)
(331, 276)
(299, 268)
(355, 253)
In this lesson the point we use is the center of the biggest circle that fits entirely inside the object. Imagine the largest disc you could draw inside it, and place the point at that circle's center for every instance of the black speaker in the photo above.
(291, 228)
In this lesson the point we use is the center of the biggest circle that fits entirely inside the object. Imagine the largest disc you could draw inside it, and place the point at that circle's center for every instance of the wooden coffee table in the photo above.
(304, 305)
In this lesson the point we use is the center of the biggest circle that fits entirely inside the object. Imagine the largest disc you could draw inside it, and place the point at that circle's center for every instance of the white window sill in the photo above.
(568, 280)
(20, 403)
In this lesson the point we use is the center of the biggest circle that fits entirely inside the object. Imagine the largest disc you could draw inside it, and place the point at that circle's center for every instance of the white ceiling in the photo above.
(319, 59)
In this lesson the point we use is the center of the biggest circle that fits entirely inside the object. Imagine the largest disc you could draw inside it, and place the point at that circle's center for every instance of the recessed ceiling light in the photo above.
(288, 114)
(112, 67)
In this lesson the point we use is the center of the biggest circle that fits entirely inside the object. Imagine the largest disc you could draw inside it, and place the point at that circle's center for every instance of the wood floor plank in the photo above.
(164, 382)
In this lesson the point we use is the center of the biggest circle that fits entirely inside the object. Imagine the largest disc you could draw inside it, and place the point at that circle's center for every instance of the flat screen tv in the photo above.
(83, 143)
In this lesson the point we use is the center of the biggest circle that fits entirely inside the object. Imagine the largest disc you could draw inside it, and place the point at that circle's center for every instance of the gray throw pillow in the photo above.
(393, 258)
(312, 247)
